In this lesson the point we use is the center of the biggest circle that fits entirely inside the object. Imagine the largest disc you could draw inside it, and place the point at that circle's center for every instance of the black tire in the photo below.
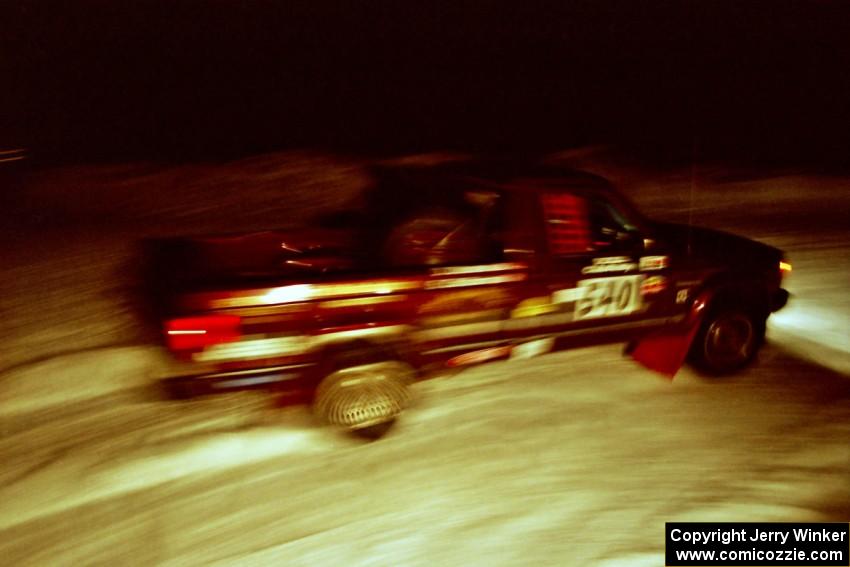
(374, 431)
(728, 340)
(364, 393)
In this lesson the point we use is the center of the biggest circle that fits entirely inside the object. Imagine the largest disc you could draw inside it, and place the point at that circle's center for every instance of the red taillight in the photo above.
(195, 333)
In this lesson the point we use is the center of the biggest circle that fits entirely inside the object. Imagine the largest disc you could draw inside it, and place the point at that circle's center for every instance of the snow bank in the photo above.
(61, 384)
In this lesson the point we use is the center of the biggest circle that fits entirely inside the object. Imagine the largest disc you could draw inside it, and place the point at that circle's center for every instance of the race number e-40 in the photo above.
(607, 297)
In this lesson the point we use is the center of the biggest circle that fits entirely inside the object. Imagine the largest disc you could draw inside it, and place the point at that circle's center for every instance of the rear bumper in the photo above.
(268, 378)
(779, 300)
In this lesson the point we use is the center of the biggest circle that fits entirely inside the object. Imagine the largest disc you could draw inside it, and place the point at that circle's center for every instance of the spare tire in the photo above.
(433, 237)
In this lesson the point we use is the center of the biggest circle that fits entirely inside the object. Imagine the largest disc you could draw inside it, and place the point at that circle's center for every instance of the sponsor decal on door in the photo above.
(608, 297)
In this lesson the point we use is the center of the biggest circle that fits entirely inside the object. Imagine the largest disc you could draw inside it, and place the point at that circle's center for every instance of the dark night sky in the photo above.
(116, 80)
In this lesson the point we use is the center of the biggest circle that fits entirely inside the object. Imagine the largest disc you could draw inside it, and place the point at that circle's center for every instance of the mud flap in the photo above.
(665, 351)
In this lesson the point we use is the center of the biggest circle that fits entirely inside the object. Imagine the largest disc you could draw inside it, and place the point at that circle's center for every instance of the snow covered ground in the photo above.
(575, 458)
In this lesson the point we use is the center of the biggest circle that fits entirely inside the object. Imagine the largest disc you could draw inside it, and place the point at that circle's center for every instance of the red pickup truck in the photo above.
(452, 265)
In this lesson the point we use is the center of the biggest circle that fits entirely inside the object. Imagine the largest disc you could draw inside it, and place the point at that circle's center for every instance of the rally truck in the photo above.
(450, 265)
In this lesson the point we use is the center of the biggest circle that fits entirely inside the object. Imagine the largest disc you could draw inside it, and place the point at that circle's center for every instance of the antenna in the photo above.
(693, 185)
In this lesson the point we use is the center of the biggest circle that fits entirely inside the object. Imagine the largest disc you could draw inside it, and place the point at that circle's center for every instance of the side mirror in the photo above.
(618, 239)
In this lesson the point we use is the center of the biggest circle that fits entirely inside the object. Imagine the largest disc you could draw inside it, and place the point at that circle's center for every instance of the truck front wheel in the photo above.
(727, 341)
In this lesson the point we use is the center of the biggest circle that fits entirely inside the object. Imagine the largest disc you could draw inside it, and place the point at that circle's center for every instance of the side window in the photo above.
(567, 226)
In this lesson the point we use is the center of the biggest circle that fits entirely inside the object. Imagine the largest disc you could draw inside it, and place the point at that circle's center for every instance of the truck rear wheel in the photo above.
(365, 398)
(727, 341)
